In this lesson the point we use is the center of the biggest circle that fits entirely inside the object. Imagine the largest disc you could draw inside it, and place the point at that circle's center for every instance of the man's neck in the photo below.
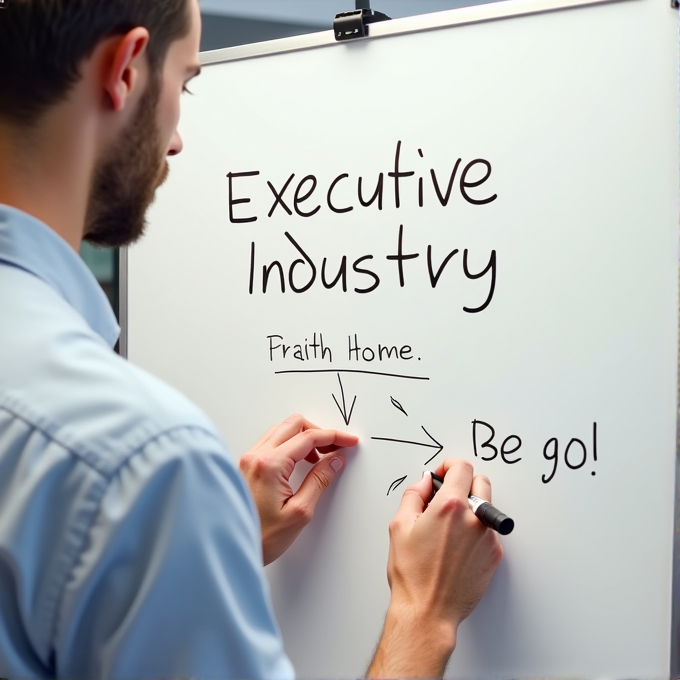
(46, 171)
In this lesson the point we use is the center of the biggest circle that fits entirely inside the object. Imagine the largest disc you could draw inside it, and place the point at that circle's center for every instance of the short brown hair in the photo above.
(43, 43)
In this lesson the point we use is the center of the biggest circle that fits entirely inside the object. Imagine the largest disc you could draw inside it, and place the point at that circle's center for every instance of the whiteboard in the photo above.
(523, 284)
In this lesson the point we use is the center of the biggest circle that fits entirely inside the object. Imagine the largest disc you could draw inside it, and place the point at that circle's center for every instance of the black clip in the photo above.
(354, 24)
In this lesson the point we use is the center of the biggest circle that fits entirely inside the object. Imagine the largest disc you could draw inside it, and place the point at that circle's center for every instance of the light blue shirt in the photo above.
(129, 544)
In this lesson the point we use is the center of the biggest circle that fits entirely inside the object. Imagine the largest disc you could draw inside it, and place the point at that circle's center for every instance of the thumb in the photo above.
(415, 500)
(318, 479)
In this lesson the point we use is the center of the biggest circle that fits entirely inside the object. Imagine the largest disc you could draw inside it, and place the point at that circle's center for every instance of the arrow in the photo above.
(436, 444)
(343, 408)
(395, 484)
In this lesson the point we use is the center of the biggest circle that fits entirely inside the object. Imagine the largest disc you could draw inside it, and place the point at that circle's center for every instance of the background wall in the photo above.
(226, 31)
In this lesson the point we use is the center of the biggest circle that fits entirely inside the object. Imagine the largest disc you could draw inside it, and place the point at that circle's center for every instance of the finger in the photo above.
(481, 487)
(343, 441)
(297, 424)
(290, 427)
(443, 467)
(303, 443)
(458, 475)
(265, 436)
(414, 501)
(318, 479)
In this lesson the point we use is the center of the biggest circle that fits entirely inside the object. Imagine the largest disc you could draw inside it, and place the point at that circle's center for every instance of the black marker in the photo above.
(486, 513)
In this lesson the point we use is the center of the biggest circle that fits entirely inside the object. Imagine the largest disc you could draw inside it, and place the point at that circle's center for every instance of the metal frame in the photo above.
(424, 22)
(427, 22)
(675, 625)
(123, 301)
(675, 589)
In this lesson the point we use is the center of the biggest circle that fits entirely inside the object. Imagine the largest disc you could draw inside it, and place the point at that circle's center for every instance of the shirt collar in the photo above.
(28, 243)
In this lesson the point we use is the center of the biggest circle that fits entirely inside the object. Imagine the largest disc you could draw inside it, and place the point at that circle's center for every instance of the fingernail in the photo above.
(337, 464)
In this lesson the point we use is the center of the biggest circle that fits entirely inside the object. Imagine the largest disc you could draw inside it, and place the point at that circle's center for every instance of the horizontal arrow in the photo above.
(436, 444)
(343, 409)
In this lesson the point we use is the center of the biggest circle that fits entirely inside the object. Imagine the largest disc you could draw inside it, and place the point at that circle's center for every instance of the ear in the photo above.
(122, 70)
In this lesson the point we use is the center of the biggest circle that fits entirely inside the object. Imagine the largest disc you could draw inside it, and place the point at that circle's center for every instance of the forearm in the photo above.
(412, 645)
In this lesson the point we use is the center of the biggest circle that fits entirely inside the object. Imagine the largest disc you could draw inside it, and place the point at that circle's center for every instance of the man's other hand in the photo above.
(268, 467)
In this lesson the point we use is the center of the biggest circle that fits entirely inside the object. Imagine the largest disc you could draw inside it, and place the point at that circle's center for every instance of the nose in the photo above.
(176, 144)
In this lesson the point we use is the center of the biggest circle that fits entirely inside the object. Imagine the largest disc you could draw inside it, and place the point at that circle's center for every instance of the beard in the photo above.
(126, 178)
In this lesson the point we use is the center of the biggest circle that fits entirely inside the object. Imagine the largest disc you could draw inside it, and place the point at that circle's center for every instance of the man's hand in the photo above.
(441, 560)
(268, 466)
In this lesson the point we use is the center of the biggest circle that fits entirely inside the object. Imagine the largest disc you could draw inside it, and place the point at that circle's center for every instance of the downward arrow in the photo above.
(436, 444)
(343, 409)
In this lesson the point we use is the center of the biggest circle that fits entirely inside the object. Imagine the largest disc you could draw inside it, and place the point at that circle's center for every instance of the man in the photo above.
(130, 545)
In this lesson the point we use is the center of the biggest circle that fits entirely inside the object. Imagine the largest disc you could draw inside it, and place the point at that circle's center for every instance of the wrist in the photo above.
(414, 644)
(424, 627)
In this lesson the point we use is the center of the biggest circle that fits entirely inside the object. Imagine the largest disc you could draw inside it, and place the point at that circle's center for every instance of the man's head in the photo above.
(127, 62)
(126, 177)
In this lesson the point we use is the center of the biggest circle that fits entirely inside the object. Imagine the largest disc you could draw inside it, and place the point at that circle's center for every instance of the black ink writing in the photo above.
(408, 181)
(509, 446)
(574, 455)
(301, 352)
(412, 181)
(302, 270)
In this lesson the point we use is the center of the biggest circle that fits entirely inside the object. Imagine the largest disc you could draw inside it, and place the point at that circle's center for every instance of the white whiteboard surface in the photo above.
(576, 112)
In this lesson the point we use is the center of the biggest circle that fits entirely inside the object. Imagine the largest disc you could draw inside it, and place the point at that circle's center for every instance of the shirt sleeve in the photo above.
(169, 581)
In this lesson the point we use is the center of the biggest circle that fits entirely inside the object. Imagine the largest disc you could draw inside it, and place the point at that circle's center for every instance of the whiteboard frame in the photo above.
(675, 622)
(416, 24)
(425, 22)
(123, 301)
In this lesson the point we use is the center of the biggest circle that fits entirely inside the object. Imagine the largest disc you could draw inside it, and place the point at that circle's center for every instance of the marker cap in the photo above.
(495, 519)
